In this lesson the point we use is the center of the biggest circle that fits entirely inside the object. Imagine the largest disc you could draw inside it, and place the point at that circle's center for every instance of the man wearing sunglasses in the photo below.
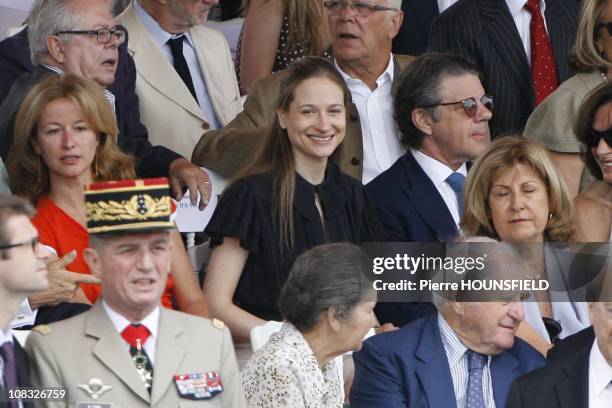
(361, 36)
(23, 272)
(443, 114)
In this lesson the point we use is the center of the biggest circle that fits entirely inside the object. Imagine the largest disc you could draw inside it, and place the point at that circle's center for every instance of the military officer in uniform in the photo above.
(128, 351)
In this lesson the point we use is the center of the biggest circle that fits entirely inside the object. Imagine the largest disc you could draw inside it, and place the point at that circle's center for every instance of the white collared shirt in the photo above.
(438, 172)
(151, 321)
(456, 353)
(600, 379)
(381, 146)
(444, 4)
(160, 38)
(522, 20)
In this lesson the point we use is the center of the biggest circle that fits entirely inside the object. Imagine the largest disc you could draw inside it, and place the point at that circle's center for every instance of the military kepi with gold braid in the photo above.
(128, 205)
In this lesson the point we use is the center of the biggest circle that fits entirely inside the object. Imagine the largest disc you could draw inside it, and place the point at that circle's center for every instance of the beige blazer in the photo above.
(167, 109)
(228, 150)
(87, 346)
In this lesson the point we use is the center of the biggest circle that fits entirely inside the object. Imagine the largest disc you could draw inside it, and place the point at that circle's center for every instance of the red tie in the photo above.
(136, 331)
(543, 68)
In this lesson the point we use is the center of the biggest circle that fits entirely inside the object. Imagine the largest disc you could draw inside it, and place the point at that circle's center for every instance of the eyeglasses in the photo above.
(32, 242)
(607, 25)
(362, 9)
(103, 35)
(470, 105)
(595, 136)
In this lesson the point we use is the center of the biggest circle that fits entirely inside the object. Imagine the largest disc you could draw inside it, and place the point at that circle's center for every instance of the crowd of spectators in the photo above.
(342, 128)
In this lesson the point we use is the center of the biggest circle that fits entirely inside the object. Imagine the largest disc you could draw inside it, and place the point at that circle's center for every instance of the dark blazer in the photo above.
(413, 35)
(563, 384)
(23, 372)
(411, 209)
(409, 205)
(409, 368)
(575, 343)
(484, 31)
(152, 161)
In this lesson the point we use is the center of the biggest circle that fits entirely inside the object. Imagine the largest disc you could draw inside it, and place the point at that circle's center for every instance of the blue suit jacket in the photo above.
(408, 368)
(411, 209)
(409, 205)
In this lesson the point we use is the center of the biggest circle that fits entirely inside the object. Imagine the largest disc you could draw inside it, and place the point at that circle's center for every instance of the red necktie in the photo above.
(543, 68)
(136, 331)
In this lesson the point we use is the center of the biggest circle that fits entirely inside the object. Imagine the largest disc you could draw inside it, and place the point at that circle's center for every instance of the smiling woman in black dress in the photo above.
(290, 199)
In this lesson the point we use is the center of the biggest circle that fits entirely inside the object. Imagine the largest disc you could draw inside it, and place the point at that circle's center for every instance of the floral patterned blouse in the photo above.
(285, 373)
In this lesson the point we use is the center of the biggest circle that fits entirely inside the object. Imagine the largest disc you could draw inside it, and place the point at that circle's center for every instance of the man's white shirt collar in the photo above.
(387, 75)
(437, 171)
(600, 371)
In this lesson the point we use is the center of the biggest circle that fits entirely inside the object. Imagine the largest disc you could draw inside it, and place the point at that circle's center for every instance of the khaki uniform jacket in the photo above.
(229, 149)
(170, 113)
(87, 346)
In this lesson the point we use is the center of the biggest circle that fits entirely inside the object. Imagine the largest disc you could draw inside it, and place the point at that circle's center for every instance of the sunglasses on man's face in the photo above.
(607, 25)
(595, 136)
(470, 105)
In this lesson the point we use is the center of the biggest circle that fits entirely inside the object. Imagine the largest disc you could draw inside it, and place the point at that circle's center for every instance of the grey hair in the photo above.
(47, 18)
(325, 276)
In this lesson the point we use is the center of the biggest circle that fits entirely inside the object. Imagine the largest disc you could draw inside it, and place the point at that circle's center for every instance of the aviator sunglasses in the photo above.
(470, 105)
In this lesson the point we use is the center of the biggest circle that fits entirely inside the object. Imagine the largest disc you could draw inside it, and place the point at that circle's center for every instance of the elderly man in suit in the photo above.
(443, 115)
(361, 44)
(127, 350)
(520, 46)
(23, 271)
(465, 355)
(186, 80)
(92, 46)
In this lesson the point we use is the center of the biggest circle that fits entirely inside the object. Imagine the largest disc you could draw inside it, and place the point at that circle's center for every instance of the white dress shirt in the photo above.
(522, 20)
(600, 379)
(456, 353)
(438, 172)
(160, 38)
(381, 146)
(151, 321)
(444, 4)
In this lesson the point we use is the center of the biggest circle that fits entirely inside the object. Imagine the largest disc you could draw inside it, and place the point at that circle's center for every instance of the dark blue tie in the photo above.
(475, 396)
(456, 180)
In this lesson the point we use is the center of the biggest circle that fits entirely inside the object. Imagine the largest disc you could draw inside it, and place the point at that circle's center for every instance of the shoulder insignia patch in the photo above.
(218, 324)
(42, 329)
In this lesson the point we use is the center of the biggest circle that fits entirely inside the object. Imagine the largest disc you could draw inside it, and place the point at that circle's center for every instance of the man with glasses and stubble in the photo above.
(361, 34)
(442, 113)
(23, 271)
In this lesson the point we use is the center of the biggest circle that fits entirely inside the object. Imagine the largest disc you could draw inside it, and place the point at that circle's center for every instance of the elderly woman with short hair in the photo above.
(327, 303)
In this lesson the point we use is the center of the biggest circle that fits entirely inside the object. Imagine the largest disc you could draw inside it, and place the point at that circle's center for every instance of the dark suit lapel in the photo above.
(432, 366)
(572, 390)
(424, 12)
(501, 30)
(112, 351)
(557, 23)
(167, 363)
(504, 369)
(427, 200)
